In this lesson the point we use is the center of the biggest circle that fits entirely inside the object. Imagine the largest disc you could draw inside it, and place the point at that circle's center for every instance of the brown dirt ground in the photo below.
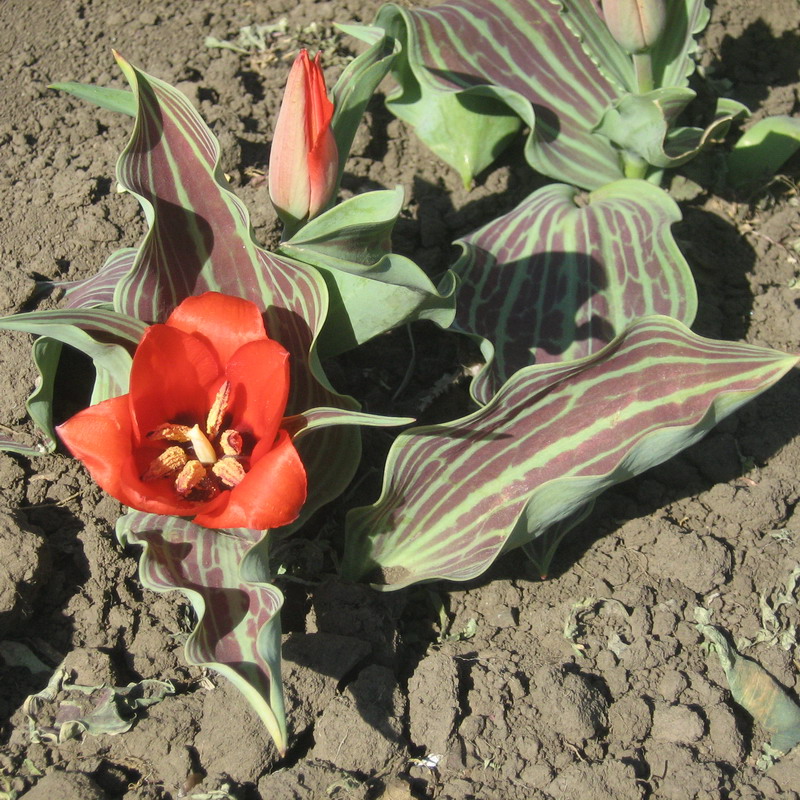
(632, 707)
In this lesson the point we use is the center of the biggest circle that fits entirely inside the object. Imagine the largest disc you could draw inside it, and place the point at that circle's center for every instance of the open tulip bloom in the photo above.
(199, 433)
(211, 418)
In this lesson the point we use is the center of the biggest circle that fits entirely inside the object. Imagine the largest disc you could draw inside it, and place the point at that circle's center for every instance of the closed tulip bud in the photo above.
(304, 161)
(636, 24)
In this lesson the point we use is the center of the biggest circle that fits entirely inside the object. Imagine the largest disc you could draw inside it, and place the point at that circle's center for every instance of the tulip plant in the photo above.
(578, 297)
(211, 418)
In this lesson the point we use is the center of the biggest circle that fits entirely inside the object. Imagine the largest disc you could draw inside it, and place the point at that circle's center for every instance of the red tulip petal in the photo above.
(288, 158)
(223, 322)
(323, 155)
(271, 494)
(173, 379)
(101, 437)
(259, 377)
(323, 167)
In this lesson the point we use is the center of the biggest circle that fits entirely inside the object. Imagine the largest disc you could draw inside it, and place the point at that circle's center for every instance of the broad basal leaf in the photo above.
(643, 124)
(457, 495)
(98, 289)
(562, 274)
(371, 290)
(200, 239)
(762, 150)
(553, 63)
(226, 577)
(104, 336)
(498, 59)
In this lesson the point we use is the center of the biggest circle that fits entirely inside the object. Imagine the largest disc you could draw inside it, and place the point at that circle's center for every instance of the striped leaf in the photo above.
(104, 336)
(643, 124)
(457, 495)
(93, 331)
(39, 405)
(371, 289)
(98, 289)
(356, 85)
(200, 239)
(226, 577)
(553, 63)
(522, 55)
(562, 274)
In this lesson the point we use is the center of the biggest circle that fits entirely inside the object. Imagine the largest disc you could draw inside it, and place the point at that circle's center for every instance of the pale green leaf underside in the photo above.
(371, 290)
(77, 328)
(120, 100)
(762, 150)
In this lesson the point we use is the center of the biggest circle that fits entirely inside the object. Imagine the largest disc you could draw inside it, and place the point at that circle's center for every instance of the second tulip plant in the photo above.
(211, 419)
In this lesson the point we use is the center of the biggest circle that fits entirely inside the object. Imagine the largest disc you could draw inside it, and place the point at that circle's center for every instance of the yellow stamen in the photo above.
(231, 443)
(203, 449)
(171, 460)
(170, 431)
(219, 409)
(190, 476)
(229, 471)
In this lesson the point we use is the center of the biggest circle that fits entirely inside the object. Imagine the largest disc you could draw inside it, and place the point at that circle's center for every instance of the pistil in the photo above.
(203, 449)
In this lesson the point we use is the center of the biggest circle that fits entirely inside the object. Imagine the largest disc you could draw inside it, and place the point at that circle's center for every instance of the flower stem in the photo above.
(643, 64)
(633, 165)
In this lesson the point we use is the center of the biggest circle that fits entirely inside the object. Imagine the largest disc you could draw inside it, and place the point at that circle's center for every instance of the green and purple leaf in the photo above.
(564, 273)
(98, 289)
(104, 336)
(107, 337)
(554, 437)
(552, 63)
(200, 239)
(371, 289)
(515, 54)
(226, 577)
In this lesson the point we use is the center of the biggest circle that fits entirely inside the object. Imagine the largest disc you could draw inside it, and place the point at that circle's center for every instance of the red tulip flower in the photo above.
(304, 161)
(199, 434)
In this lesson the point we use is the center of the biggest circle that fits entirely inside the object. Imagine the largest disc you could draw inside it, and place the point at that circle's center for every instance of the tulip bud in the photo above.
(304, 161)
(636, 24)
